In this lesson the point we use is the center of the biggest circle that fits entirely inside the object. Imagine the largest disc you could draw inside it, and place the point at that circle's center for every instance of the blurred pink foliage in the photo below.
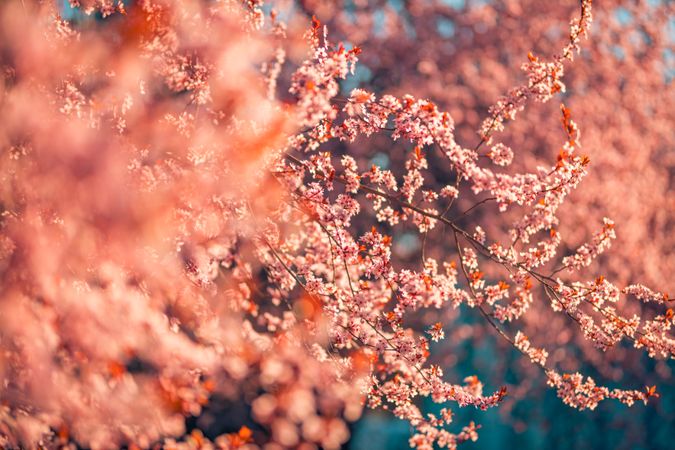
(190, 211)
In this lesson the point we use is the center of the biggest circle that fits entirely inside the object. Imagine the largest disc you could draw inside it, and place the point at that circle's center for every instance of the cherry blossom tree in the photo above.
(465, 55)
(207, 208)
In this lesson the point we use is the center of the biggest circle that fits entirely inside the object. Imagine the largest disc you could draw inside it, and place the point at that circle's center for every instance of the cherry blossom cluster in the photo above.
(544, 78)
(523, 344)
(576, 392)
(588, 252)
(315, 83)
(617, 90)
(428, 129)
